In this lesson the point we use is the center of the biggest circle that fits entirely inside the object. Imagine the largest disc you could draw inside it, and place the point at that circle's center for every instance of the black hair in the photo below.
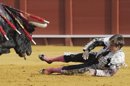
(117, 40)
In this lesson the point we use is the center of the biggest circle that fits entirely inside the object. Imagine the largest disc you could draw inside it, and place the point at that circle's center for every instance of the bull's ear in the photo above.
(31, 28)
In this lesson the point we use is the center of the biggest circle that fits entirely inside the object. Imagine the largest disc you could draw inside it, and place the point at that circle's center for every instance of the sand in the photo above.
(15, 71)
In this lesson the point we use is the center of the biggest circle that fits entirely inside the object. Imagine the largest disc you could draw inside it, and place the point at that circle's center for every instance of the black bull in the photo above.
(19, 42)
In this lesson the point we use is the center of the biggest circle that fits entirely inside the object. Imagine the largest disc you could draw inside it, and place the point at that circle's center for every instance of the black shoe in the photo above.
(41, 57)
(42, 71)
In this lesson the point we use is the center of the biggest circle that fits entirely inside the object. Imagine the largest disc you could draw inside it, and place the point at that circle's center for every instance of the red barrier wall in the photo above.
(68, 17)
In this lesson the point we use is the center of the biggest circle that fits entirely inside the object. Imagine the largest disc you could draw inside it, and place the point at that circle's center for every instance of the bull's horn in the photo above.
(44, 25)
(46, 21)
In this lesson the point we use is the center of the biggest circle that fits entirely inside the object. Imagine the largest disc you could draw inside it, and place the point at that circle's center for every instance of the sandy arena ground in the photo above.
(15, 71)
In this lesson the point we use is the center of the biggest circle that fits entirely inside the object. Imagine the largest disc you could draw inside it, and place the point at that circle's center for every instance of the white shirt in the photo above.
(117, 58)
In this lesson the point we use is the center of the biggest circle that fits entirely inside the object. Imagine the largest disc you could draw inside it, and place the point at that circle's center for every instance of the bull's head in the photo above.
(16, 30)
